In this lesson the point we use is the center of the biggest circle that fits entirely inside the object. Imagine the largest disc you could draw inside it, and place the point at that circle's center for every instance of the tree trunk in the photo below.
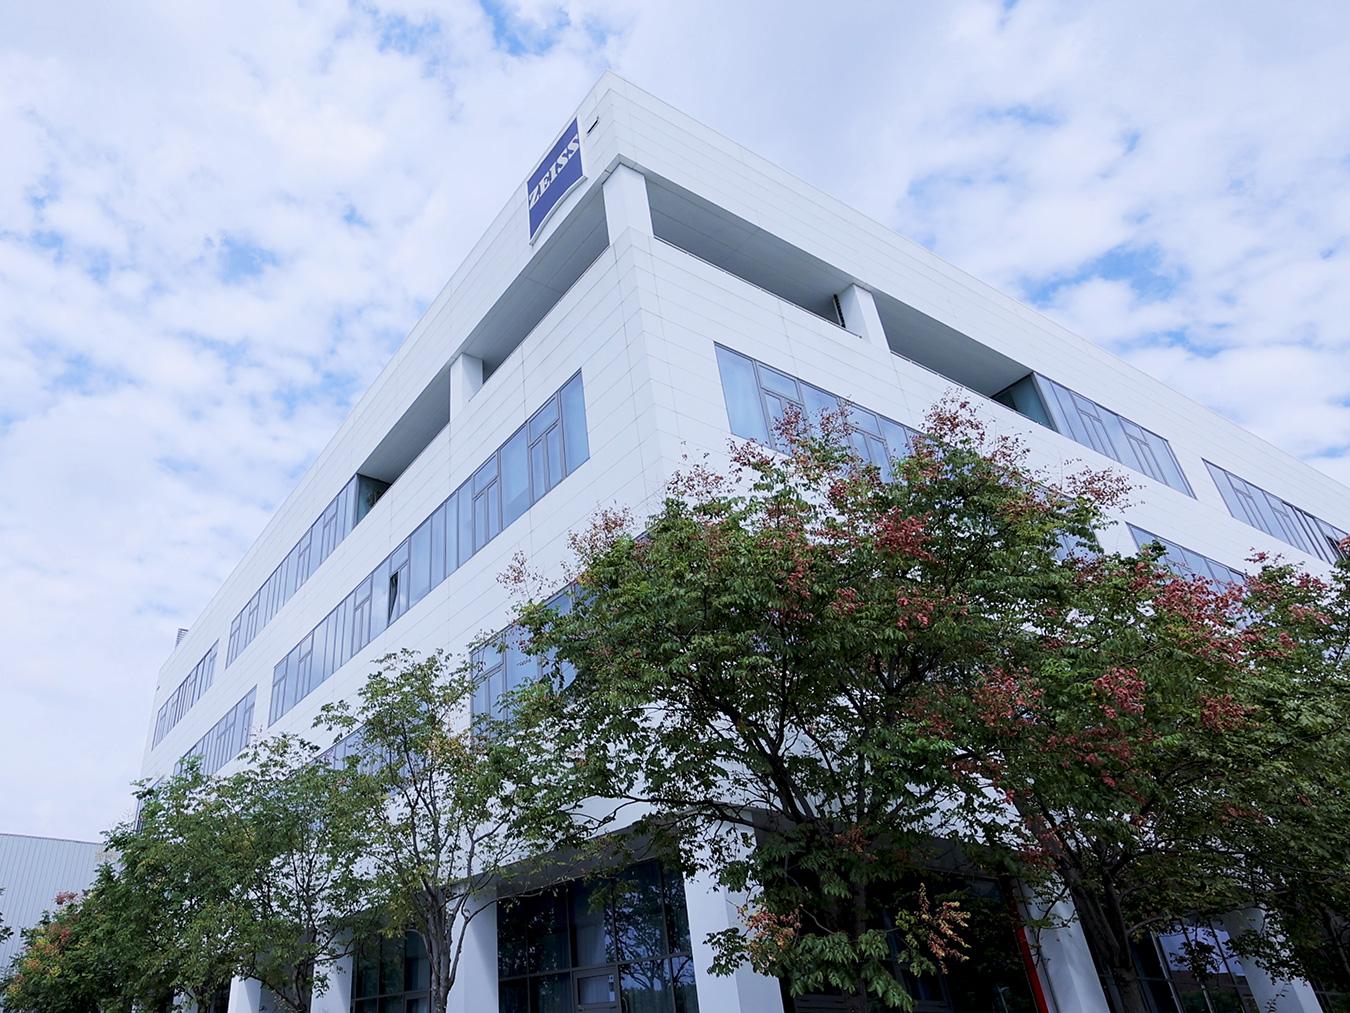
(1130, 989)
(439, 959)
(1104, 929)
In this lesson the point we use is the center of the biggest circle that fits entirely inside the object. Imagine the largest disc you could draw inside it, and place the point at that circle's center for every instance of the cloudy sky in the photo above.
(218, 220)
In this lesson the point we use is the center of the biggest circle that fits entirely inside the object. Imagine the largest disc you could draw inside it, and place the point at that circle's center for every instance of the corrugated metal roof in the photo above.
(33, 870)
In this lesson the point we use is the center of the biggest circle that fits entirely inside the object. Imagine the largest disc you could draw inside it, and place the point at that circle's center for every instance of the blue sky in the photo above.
(217, 222)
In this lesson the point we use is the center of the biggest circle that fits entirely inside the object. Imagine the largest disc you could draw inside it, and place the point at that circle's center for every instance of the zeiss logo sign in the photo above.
(554, 179)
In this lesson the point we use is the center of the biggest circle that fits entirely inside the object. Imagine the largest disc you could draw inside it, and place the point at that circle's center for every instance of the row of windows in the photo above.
(391, 976)
(1086, 422)
(226, 739)
(757, 396)
(187, 693)
(315, 545)
(1185, 560)
(550, 446)
(503, 665)
(336, 755)
(1277, 518)
(621, 942)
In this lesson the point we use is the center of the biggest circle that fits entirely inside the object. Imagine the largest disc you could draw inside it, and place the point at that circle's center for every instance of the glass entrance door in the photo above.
(596, 990)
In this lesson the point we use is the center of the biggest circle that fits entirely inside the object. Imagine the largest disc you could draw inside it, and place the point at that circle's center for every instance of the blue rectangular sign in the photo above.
(554, 179)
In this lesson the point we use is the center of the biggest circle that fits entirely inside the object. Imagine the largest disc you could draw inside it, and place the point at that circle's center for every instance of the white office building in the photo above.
(651, 289)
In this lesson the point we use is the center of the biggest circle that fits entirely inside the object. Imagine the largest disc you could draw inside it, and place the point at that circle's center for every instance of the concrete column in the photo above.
(1272, 995)
(466, 377)
(712, 909)
(861, 317)
(337, 995)
(245, 996)
(626, 205)
(476, 985)
(1062, 958)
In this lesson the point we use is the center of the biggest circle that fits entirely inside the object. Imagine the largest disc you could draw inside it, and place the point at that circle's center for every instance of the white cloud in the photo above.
(363, 148)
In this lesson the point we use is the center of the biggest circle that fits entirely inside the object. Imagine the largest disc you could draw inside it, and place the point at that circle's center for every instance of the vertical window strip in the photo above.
(188, 692)
(1278, 518)
(470, 518)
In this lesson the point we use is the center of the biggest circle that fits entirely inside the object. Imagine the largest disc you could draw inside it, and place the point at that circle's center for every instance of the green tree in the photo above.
(1298, 726)
(256, 874)
(805, 676)
(177, 882)
(1177, 751)
(436, 800)
(762, 675)
(78, 957)
(292, 835)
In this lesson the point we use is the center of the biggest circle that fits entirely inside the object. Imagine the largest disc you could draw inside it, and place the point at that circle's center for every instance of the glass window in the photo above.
(757, 396)
(1024, 398)
(592, 935)
(646, 987)
(1093, 425)
(546, 450)
(226, 738)
(741, 392)
(438, 546)
(1185, 560)
(515, 477)
(564, 938)
(1277, 518)
(465, 522)
(638, 919)
(361, 615)
(419, 563)
(391, 976)
(186, 693)
(576, 443)
(817, 405)
(398, 582)
(682, 984)
(487, 507)
(324, 535)
(464, 501)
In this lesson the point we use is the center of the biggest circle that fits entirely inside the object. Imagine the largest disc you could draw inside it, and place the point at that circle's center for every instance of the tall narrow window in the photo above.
(398, 582)
(546, 449)
(515, 477)
(576, 441)
(487, 505)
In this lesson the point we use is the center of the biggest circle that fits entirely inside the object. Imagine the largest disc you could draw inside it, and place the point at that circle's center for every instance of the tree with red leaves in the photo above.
(767, 676)
(816, 685)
